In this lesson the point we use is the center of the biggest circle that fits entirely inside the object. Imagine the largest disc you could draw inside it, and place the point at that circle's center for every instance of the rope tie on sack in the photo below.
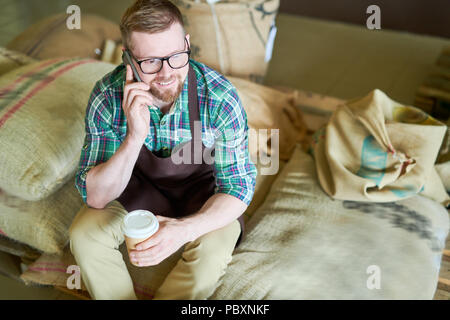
(404, 159)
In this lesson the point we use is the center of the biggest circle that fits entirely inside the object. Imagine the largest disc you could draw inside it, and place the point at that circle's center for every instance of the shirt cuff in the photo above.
(80, 182)
(243, 191)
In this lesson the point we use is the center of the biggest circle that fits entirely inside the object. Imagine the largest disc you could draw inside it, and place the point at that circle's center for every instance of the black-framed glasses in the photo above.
(154, 65)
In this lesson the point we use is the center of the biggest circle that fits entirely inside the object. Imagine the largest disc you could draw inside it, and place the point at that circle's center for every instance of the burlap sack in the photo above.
(51, 38)
(444, 152)
(316, 108)
(375, 149)
(301, 244)
(41, 224)
(42, 110)
(269, 109)
(26, 253)
(10, 60)
(443, 169)
(231, 36)
(262, 187)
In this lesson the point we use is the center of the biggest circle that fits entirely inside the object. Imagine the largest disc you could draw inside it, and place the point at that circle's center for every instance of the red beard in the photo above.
(166, 95)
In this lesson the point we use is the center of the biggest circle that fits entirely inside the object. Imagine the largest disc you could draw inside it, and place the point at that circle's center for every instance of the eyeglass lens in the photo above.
(176, 61)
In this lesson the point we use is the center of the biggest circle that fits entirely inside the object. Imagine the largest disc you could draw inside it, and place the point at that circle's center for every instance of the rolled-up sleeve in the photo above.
(100, 141)
(235, 172)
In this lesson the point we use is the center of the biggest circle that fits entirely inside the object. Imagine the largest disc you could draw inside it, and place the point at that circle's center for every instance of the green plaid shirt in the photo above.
(224, 125)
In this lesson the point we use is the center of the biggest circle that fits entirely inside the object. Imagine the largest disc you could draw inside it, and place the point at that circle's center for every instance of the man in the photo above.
(127, 162)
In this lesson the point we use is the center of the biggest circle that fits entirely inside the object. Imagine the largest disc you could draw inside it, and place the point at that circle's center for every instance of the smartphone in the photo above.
(127, 60)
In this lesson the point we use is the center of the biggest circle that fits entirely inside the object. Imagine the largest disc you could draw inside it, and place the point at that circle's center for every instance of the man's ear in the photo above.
(187, 38)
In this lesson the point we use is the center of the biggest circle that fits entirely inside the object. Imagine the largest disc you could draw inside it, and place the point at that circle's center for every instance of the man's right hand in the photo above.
(106, 181)
(136, 100)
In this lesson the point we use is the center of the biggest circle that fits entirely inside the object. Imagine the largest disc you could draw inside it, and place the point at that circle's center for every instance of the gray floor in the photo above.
(331, 58)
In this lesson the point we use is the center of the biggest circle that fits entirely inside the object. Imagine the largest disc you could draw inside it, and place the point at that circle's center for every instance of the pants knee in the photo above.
(91, 227)
(215, 248)
(207, 276)
(206, 263)
(78, 238)
(81, 225)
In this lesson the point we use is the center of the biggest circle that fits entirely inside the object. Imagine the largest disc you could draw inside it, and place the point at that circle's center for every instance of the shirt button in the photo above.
(164, 148)
(163, 122)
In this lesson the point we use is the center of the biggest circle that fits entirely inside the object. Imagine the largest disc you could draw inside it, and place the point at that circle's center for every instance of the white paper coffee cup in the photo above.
(138, 226)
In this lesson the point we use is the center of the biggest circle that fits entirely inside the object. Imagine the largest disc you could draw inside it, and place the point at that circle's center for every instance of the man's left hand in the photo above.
(171, 235)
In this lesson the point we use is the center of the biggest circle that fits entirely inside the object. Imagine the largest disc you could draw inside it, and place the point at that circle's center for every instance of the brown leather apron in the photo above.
(168, 189)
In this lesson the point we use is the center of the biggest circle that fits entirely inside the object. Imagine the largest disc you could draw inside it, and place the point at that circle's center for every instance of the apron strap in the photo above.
(194, 113)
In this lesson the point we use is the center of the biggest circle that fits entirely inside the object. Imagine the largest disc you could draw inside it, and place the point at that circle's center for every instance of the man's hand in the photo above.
(171, 235)
(136, 100)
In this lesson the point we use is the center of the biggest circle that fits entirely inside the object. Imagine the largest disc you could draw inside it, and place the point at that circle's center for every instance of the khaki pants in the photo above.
(95, 237)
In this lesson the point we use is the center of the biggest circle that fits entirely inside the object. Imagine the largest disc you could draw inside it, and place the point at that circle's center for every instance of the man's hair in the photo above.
(151, 16)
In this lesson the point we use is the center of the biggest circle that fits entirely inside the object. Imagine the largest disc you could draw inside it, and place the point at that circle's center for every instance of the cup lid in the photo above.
(139, 224)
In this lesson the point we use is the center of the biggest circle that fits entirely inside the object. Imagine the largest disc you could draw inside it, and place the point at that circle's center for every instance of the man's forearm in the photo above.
(105, 182)
(217, 212)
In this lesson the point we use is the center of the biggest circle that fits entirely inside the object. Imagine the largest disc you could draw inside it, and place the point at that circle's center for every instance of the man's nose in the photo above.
(166, 69)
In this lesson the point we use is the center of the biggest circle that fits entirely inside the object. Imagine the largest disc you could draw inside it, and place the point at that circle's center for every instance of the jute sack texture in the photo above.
(277, 124)
(10, 60)
(443, 169)
(42, 110)
(42, 224)
(51, 37)
(231, 36)
(376, 149)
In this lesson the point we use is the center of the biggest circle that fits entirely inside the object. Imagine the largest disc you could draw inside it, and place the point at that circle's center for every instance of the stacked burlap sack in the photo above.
(301, 244)
(42, 112)
(42, 108)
